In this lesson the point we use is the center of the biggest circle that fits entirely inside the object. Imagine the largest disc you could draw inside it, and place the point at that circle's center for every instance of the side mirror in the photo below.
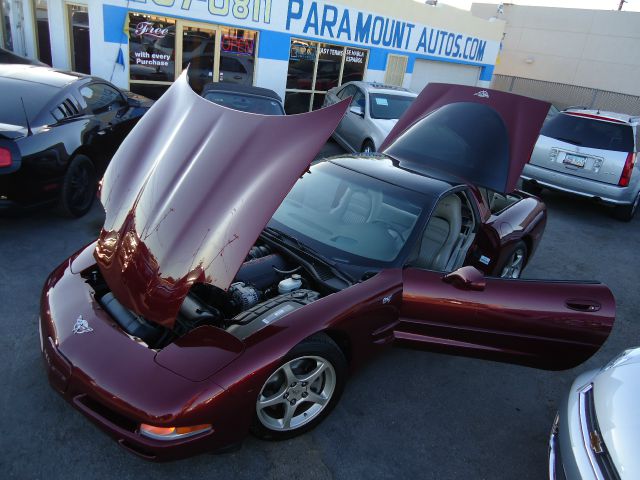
(466, 278)
(357, 109)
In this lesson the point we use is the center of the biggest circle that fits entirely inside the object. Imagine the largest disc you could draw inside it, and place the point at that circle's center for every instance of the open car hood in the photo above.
(189, 191)
(482, 136)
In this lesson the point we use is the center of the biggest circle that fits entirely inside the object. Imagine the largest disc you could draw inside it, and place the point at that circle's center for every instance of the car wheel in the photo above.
(368, 147)
(531, 187)
(302, 391)
(514, 265)
(627, 212)
(78, 187)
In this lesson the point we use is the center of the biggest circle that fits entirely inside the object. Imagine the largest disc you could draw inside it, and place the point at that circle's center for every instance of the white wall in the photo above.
(427, 71)
(269, 74)
(58, 28)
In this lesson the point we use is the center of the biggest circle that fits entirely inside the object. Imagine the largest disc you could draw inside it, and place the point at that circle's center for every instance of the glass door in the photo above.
(196, 48)
(78, 24)
(41, 20)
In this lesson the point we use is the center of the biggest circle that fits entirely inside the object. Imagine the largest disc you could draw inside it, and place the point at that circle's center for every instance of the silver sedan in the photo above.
(374, 110)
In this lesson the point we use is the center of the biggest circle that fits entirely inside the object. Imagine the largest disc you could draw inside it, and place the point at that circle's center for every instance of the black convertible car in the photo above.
(58, 131)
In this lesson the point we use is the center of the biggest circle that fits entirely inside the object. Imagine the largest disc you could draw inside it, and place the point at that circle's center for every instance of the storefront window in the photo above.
(314, 68)
(41, 15)
(237, 55)
(329, 66)
(78, 17)
(161, 48)
(355, 62)
(152, 42)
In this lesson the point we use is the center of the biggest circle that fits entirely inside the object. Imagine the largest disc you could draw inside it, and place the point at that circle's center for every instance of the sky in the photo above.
(630, 6)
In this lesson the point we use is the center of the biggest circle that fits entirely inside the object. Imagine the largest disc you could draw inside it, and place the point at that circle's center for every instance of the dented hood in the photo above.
(189, 191)
(480, 135)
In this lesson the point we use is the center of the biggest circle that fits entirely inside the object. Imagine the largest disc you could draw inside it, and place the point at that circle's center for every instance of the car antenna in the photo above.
(29, 132)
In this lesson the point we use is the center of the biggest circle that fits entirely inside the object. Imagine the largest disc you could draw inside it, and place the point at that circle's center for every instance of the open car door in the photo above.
(553, 325)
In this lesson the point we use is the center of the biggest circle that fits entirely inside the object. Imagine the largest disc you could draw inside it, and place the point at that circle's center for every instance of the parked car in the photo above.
(245, 98)
(58, 131)
(7, 56)
(218, 300)
(374, 110)
(591, 154)
(597, 429)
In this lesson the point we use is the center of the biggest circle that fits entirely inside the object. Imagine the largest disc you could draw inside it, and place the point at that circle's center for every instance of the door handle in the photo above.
(583, 305)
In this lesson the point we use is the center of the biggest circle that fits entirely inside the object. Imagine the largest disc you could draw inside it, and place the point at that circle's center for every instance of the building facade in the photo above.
(597, 49)
(299, 48)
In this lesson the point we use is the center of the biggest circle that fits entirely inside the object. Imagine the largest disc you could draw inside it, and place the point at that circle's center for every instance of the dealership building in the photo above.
(299, 48)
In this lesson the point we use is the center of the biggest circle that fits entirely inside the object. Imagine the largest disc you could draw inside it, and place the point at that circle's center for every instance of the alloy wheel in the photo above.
(296, 393)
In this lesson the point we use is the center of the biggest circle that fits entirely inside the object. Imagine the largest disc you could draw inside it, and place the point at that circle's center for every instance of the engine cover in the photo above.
(266, 313)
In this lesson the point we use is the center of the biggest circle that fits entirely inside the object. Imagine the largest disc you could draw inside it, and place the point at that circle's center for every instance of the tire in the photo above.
(515, 262)
(627, 212)
(78, 187)
(288, 395)
(368, 147)
(531, 187)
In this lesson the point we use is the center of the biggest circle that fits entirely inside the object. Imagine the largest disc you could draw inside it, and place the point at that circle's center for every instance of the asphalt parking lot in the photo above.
(409, 414)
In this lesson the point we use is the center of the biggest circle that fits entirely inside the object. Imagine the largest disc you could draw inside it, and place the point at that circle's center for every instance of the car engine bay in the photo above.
(271, 283)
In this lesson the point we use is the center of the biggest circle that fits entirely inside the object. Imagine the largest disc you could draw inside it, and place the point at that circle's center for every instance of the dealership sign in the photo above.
(327, 21)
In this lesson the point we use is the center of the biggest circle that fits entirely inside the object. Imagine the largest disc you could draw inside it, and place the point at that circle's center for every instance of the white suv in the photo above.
(589, 153)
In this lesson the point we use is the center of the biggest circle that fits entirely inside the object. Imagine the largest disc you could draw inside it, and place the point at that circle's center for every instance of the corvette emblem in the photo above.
(82, 326)
(482, 94)
(386, 300)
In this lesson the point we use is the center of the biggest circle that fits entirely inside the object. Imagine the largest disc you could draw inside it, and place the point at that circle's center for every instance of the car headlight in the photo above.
(624, 357)
(172, 433)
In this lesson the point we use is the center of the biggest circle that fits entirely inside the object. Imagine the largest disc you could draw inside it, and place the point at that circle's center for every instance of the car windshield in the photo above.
(387, 107)
(34, 95)
(348, 216)
(245, 103)
(589, 132)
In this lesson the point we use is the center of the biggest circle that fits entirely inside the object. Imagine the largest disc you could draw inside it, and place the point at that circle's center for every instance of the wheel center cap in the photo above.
(296, 391)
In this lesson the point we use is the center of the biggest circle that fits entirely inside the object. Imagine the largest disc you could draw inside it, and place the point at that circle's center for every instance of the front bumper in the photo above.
(116, 383)
(583, 187)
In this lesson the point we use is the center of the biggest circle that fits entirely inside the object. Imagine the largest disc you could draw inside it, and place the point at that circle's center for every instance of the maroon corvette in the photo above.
(233, 287)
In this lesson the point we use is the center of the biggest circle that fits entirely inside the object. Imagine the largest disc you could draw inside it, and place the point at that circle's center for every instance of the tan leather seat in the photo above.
(441, 234)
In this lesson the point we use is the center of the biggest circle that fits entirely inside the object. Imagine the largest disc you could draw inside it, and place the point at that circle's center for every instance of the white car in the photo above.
(375, 108)
(596, 433)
